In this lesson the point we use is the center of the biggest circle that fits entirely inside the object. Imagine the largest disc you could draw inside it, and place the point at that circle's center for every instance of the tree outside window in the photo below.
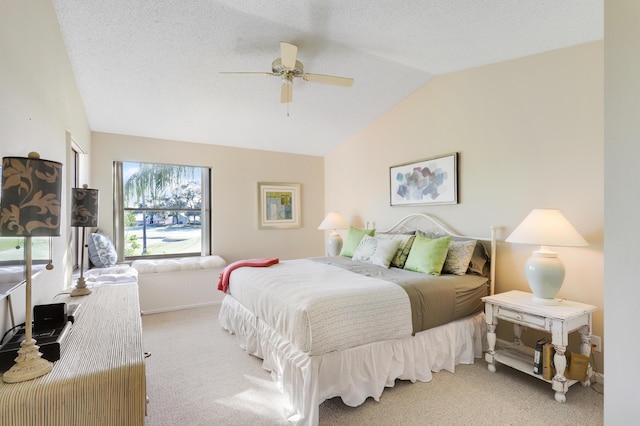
(163, 209)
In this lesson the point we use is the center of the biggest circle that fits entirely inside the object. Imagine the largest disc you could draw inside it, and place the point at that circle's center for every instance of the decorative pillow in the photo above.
(101, 250)
(404, 246)
(376, 251)
(458, 256)
(428, 255)
(353, 239)
(479, 260)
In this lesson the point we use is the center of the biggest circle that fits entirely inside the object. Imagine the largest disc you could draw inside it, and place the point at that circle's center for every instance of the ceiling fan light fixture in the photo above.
(287, 67)
(278, 69)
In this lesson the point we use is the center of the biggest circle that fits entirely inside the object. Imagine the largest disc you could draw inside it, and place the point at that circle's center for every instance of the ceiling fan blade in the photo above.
(270, 74)
(288, 53)
(328, 79)
(286, 93)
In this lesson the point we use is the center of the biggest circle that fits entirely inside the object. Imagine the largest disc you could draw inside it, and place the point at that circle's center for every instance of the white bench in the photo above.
(180, 283)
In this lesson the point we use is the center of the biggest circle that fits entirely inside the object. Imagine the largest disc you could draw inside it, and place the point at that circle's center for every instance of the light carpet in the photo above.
(198, 375)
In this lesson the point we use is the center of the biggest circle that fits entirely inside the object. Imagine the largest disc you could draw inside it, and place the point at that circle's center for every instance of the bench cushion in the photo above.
(150, 266)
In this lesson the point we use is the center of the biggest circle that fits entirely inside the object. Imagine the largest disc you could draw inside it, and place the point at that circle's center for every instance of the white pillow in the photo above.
(405, 241)
(376, 251)
(458, 257)
(101, 251)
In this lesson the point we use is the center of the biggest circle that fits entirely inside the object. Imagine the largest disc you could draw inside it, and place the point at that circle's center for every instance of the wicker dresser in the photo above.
(100, 377)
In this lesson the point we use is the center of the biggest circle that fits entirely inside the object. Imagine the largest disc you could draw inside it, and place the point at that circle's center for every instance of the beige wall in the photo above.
(39, 106)
(529, 134)
(622, 227)
(236, 173)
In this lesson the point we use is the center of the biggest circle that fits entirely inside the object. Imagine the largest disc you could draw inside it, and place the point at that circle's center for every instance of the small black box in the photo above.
(46, 317)
(48, 341)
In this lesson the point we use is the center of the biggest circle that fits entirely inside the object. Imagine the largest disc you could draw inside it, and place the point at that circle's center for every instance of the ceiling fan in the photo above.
(287, 67)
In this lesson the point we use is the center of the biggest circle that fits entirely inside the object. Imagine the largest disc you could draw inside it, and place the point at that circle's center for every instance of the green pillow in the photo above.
(353, 239)
(428, 255)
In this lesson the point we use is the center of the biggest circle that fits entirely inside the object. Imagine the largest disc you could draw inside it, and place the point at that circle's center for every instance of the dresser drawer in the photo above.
(521, 317)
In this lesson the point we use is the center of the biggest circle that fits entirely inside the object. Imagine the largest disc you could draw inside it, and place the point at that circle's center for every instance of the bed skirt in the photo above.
(356, 373)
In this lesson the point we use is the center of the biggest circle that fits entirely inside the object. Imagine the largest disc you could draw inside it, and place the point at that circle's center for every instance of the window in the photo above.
(12, 250)
(164, 210)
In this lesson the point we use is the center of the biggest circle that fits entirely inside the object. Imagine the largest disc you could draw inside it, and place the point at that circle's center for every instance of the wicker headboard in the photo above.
(432, 226)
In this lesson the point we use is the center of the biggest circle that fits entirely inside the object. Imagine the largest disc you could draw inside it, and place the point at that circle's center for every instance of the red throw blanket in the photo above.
(223, 282)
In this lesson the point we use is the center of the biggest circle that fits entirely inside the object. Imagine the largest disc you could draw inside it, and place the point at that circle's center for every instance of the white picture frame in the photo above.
(429, 181)
(279, 205)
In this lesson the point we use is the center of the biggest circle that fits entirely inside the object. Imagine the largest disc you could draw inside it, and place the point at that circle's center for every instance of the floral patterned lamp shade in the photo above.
(84, 214)
(84, 207)
(31, 190)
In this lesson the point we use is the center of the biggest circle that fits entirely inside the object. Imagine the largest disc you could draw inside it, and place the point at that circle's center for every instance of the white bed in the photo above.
(322, 338)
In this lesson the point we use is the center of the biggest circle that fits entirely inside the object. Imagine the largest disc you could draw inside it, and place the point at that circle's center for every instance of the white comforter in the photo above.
(321, 308)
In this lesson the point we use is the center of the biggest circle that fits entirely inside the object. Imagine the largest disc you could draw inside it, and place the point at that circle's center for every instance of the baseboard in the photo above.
(599, 378)
(177, 308)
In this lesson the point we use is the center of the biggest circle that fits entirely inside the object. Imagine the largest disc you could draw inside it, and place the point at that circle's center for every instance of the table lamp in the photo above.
(544, 271)
(333, 221)
(84, 214)
(31, 192)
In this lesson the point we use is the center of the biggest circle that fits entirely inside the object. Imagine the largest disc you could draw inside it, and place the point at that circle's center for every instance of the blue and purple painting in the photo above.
(430, 181)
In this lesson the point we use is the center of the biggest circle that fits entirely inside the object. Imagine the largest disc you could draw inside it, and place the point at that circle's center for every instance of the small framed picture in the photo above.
(429, 181)
(279, 205)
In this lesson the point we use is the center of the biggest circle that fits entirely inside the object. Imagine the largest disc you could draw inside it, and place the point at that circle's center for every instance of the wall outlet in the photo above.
(596, 343)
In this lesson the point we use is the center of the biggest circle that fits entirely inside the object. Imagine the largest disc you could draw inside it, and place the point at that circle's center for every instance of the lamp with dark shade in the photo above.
(31, 192)
(84, 214)
(544, 271)
(333, 221)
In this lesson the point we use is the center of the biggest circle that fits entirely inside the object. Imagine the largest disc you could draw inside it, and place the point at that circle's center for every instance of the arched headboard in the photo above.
(432, 227)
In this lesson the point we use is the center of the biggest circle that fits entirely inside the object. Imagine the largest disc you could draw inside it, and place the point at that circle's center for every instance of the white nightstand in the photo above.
(518, 308)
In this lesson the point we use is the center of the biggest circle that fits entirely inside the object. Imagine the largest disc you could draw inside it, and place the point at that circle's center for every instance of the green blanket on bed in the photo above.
(434, 300)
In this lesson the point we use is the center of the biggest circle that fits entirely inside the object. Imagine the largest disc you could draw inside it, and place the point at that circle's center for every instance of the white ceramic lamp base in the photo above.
(334, 244)
(81, 288)
(29, 364)
(545, 274)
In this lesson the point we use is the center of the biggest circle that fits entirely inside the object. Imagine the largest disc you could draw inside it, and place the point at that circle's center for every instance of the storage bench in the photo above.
(179, 283)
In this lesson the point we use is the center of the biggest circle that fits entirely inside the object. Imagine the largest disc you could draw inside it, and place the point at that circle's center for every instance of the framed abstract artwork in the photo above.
(429, 181)
(279, 205)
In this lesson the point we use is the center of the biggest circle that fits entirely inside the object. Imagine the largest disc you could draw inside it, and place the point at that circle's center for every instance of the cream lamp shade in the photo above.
(333, 221)
(544, 271)
(31, 193)
(84, 214)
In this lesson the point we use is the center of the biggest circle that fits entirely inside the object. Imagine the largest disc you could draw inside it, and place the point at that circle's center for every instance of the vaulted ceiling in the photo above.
(153, 68)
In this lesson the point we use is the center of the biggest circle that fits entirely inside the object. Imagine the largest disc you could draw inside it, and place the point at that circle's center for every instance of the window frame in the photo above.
(120, 210)
(76, 244)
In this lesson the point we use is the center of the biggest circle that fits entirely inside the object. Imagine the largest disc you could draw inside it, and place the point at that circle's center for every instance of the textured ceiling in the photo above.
(152, 68)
